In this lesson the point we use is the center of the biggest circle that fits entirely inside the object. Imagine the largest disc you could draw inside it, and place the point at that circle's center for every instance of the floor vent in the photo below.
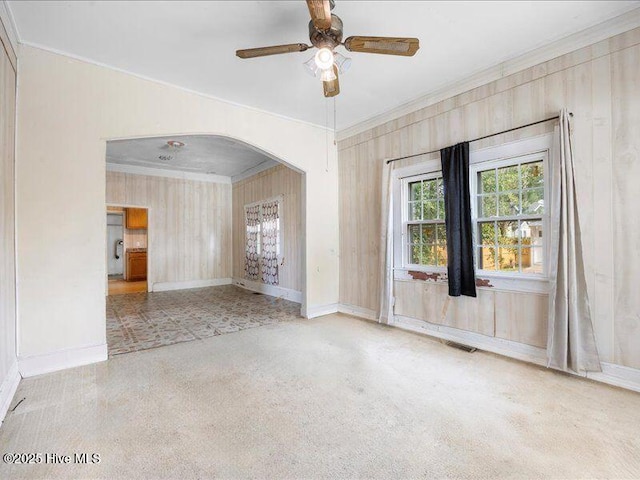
(459, 346)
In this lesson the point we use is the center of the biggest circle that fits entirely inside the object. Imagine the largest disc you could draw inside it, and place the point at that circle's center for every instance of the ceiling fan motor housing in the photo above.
(330, 38)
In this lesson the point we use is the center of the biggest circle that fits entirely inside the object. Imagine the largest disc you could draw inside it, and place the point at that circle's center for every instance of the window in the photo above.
(509, 214)
(263, 241)
(424, 230)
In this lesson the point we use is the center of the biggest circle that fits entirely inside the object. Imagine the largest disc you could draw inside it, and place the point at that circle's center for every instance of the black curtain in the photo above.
(455, 177)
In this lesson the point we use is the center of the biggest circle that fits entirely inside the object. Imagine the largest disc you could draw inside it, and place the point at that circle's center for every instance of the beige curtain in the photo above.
(571, 342)
(386, 247)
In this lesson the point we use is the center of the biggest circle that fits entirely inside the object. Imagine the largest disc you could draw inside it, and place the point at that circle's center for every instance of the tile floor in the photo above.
(140, 321)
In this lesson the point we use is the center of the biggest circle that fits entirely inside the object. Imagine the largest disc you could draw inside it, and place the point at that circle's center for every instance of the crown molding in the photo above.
(162, 172)
(261, 167)
(79, 58)
(602, 31)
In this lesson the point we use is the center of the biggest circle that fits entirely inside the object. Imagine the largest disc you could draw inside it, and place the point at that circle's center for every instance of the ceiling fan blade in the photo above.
(320, 11)
(386, 45)
(332, 87)
(274, 50)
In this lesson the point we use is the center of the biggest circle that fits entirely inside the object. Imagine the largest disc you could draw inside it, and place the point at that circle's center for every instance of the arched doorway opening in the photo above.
(224, 240)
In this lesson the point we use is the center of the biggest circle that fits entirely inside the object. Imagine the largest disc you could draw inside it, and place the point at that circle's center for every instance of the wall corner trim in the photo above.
(321, 310)
(61, 360)
(272, 290)
(167, 286)
(8, 389)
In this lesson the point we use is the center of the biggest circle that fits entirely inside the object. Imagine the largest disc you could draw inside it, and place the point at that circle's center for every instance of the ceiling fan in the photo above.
(325, 33)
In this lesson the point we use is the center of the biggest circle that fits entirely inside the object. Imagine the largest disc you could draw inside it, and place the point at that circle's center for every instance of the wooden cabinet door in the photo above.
(136, 266)
(136, 218)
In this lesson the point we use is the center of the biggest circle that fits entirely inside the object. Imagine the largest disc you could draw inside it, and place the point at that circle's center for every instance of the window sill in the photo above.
(493, 281)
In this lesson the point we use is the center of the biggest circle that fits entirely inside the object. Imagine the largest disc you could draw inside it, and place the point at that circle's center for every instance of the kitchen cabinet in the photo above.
(136, 266)
(136, 218)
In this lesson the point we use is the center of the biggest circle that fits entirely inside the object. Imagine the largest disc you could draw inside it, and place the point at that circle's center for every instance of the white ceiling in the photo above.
(192, 45)
(202, 154)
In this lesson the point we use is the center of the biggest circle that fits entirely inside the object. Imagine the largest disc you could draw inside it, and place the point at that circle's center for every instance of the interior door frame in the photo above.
(149, 244)
(124, 265)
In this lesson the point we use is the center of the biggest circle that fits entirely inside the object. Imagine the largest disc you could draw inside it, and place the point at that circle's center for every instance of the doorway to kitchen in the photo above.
(126, 249)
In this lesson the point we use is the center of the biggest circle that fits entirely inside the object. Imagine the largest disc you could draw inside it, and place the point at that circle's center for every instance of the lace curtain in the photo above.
(252, 249)
(270, 242)
(262, 242)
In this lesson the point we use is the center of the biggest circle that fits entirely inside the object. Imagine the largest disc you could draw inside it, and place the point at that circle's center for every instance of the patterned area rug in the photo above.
(140, 321)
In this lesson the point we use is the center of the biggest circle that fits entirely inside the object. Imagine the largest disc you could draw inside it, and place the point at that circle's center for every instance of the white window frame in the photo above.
(405, 222)
(478, 160)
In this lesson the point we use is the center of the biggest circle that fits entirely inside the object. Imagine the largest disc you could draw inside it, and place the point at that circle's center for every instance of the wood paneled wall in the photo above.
(600, 84)
(279, 180)
(189, 234)
(7, 206)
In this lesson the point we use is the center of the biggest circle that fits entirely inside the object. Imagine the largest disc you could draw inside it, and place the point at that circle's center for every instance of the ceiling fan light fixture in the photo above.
(310, 67)
(343, 63)
(328, 75)
(324, 58)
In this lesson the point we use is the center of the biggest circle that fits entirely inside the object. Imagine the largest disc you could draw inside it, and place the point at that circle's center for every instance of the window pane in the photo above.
(414, 234)
(428, 234)
(415, 254)
(428, 255)
(487, 181)
(441, 252)
(507, 232)
(429, 189)
(531, 232)
(487, 233)
(442, 234)
(532, 175)
(532, 260)
(441, 210)
(508, 204)
(415, 191)
(533, 201)
(488, 206)
(486, 258)
(440, 187)
(508, 259)
(415, 211)
(533, 242)
(508, 178)
(429, 210)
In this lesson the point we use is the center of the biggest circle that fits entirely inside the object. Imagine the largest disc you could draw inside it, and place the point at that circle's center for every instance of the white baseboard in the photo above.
(8, 389)
(500, 346)
(320, 310)
(167, 286)
(617, 375)
(612, 374)
(52, 362)
(358, 312)
(273, 290)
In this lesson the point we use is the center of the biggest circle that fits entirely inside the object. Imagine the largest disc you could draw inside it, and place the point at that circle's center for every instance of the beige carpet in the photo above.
(333, 397)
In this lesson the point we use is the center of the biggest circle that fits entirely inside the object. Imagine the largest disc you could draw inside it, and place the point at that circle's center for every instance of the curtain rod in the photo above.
(482, 138)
